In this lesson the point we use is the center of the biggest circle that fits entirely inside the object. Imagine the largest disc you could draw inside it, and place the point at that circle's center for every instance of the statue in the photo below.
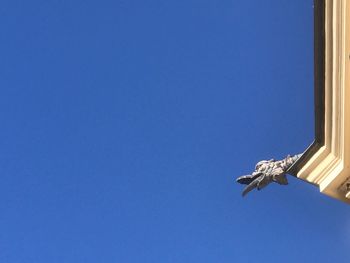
(267, 172)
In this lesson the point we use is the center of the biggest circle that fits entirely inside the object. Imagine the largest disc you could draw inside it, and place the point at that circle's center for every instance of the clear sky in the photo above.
(124, 124)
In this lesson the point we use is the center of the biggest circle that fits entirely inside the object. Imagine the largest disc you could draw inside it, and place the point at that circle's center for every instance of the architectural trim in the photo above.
(327, 161)
(319, 86)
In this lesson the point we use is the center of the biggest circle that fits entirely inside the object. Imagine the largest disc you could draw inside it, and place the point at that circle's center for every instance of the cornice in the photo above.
(329, 164)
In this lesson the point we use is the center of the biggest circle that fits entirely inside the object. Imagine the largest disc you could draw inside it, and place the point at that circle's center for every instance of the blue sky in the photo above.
(125, 123)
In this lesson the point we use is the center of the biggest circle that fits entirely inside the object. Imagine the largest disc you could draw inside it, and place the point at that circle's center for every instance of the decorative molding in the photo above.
(329, 165)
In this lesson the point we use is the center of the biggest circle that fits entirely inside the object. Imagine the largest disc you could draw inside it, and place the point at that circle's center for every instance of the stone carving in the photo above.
(267, 172)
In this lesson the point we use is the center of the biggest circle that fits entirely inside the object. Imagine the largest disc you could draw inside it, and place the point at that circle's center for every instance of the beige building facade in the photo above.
(326, 163)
